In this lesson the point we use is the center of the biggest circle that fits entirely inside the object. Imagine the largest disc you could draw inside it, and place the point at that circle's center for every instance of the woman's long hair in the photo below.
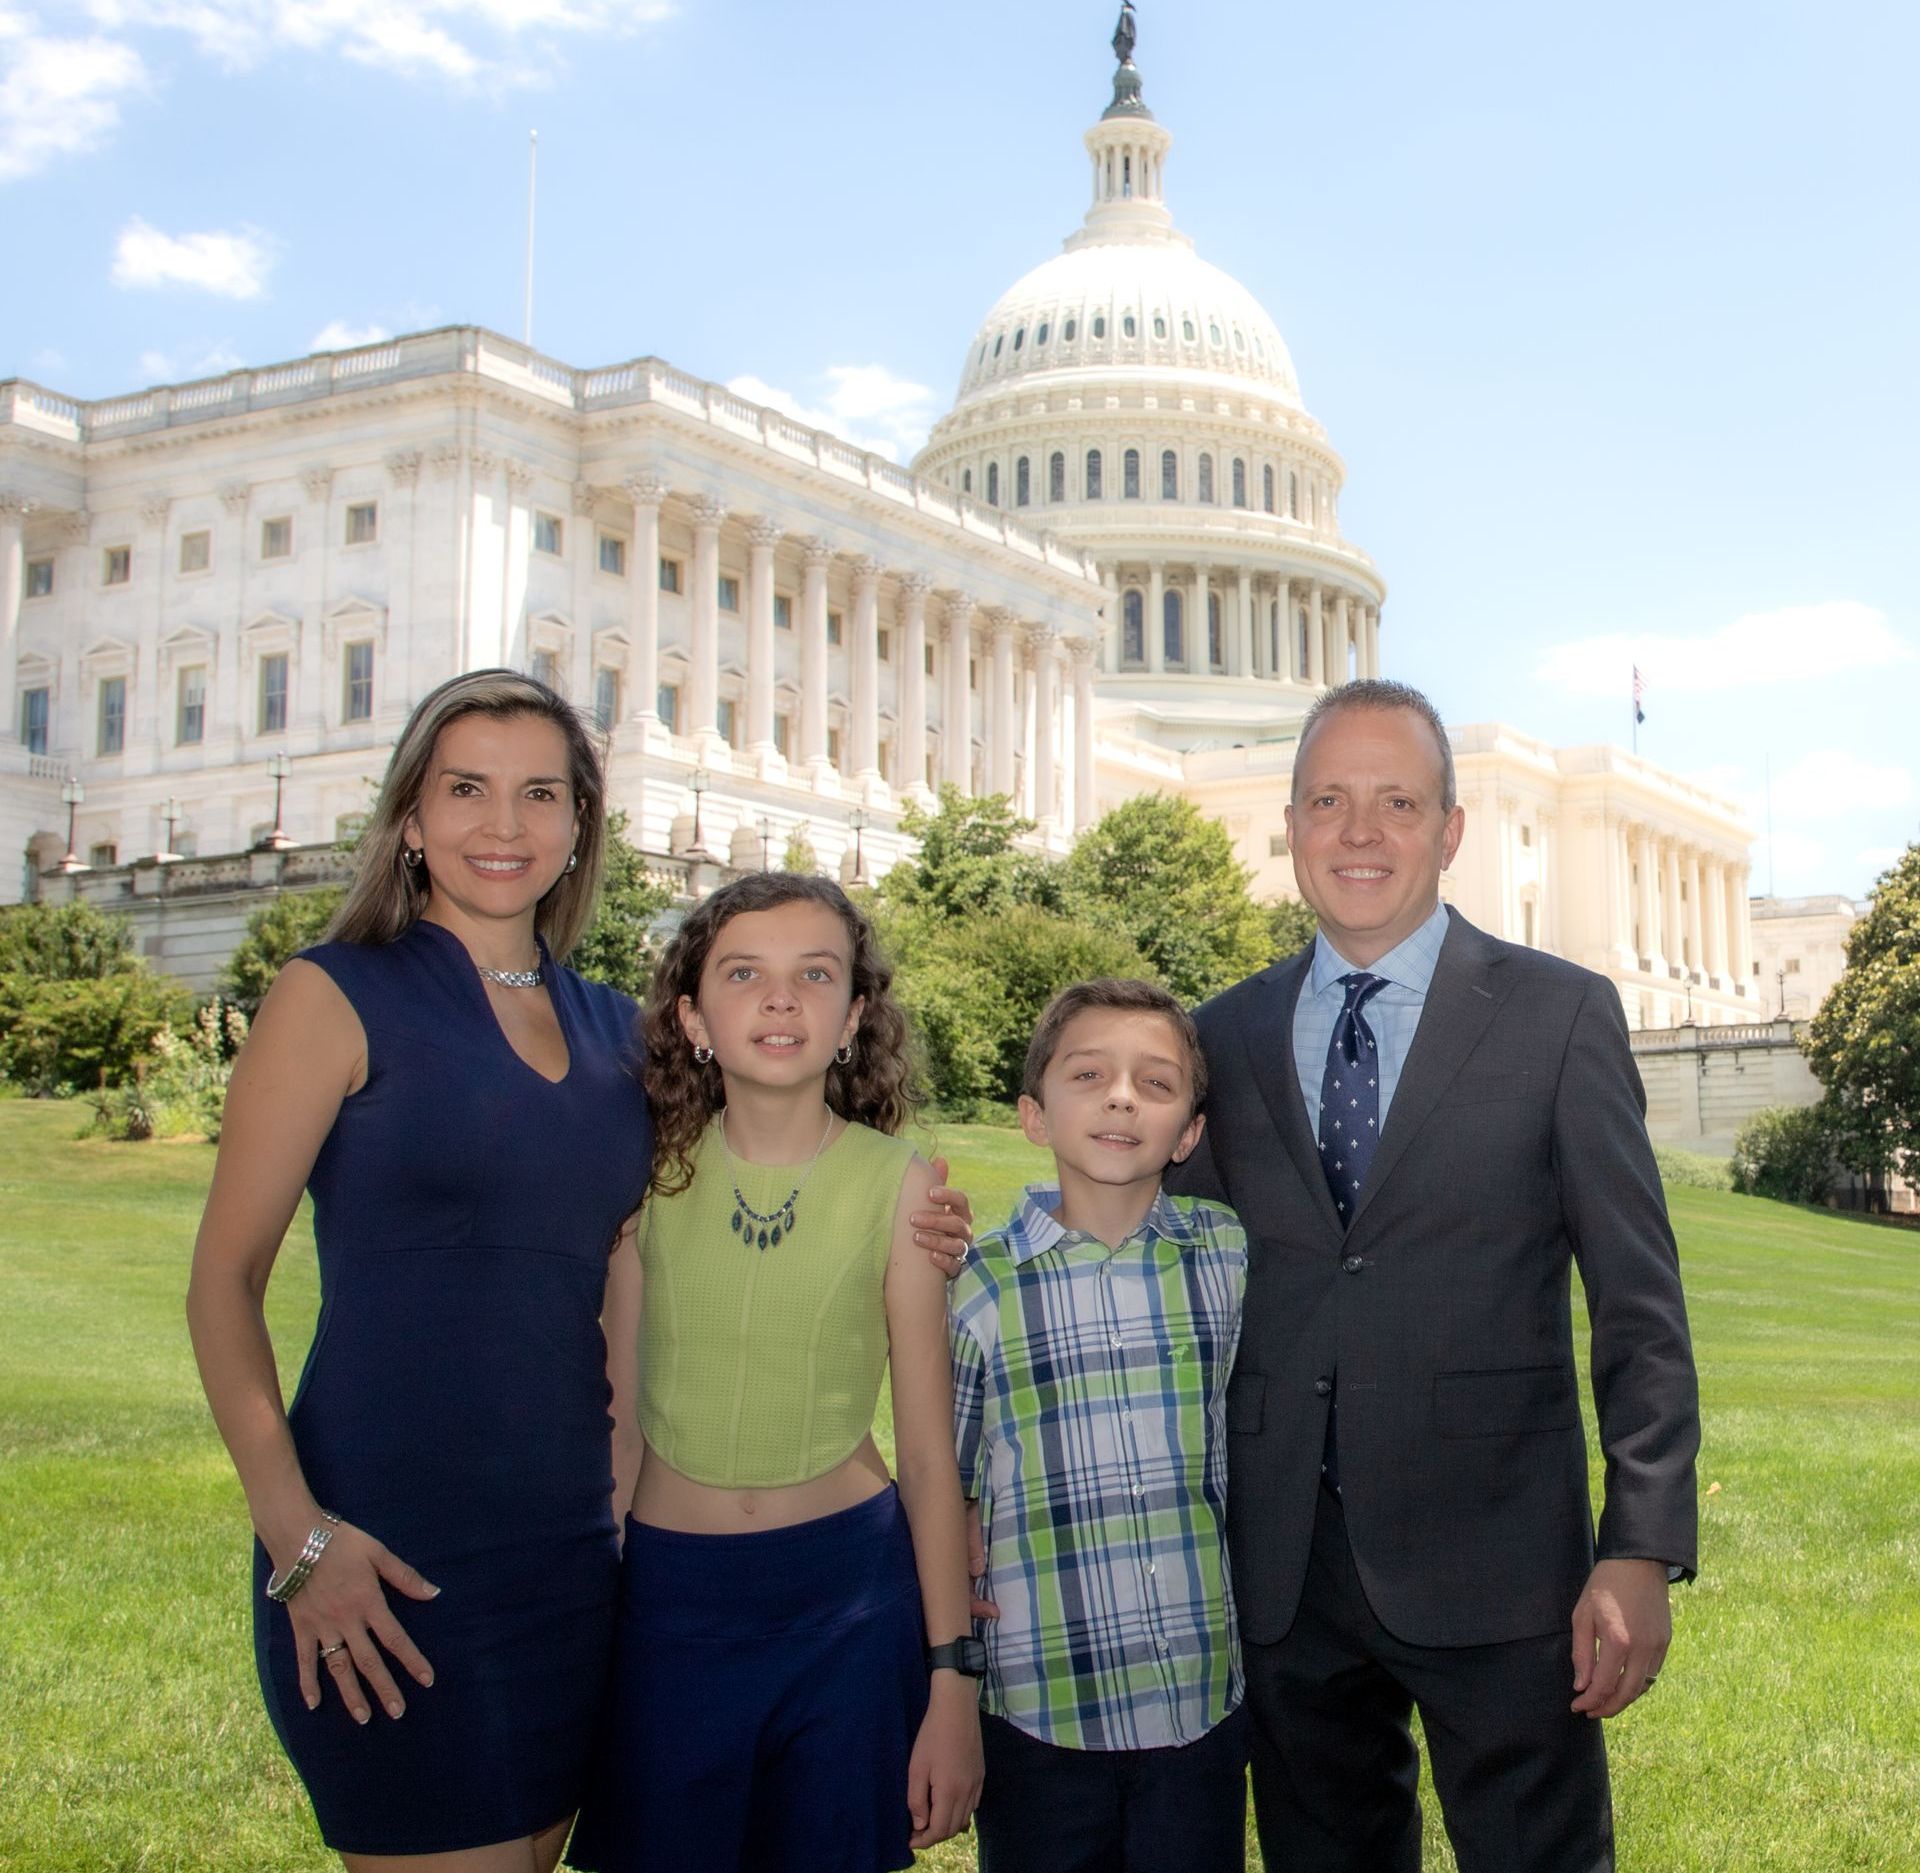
(878, 1087)
(387, 895)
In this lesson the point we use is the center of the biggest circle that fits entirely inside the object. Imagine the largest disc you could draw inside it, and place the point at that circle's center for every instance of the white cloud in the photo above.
(234, 266)
(182, 367)
(58, 97)
(864, 403)
(1833, 781)
(1796, 644)
(338, 335)
(1878, 858)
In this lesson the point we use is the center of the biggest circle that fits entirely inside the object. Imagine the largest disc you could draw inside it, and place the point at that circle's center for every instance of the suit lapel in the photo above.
(1465, 994)
(1268, 1039)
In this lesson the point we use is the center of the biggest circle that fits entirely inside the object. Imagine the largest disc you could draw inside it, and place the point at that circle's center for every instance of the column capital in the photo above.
(866, 572)
(403, 465)
(1083, 650)
(708, 513)
(583, 495)
(961, 605)
(446, 459)
(765, 533)
(520, 476)
(154, 509)
(1040, 638)
(233, 496)
(643, 490)
(817, 552)
(15, 506)
(914, 586)
(1004, 622)
(484, 461)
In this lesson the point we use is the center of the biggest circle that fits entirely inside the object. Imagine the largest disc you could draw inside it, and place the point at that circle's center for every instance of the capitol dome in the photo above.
(1141, 404)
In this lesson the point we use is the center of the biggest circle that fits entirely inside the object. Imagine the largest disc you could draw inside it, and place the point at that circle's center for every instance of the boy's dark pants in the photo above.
(1050, 1810)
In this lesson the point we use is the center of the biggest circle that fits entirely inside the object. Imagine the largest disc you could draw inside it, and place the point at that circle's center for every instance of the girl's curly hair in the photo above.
(878, 1087)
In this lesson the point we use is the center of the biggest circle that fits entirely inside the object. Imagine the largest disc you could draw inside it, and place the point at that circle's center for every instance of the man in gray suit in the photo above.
(1423, 1129)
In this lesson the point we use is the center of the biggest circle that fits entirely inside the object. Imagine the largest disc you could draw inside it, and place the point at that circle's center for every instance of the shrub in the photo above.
(179, 1088)
(291, 922)
(64, 943)
(1785, 1152)
(76, 1036)
(799, 856)
(1692, 1170)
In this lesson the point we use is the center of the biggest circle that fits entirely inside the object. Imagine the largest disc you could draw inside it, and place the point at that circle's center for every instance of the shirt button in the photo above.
(1149, 1567)
(1354, 1263)
(1116, 1340)
(1138, 1490)
(1126, 1417)
(1323, 1386)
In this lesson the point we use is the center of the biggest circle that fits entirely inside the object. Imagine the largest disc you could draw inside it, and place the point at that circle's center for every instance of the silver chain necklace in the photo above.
(767, 1230)
(512, 978)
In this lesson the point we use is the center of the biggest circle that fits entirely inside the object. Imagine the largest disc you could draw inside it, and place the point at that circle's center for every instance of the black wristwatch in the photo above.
(966, 1656)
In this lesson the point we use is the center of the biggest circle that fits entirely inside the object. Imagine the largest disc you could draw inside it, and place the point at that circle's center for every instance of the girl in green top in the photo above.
(775, 1702)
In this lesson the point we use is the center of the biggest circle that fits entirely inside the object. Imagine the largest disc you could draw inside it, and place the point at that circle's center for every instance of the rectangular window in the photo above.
(782, 612)
(666, 705)
(1276, 845)
(363, 523)
(190, 717)
(39, 578)
(196, 550)
(833, 747)
(613, 555)
(273, 693)
(102, 857)
(729, 592)
(929, 657)
(547, 533)
(276, 537)
(116, 565)
(356, 702)
(782, 734)
(833, 627)
(724, 719)
(546, 668)
(33, 719)
(886, 645)
(670, 575)
(606, 698)
(113, 714)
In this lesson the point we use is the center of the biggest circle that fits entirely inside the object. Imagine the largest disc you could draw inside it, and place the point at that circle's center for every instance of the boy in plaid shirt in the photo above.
(1092, 1339)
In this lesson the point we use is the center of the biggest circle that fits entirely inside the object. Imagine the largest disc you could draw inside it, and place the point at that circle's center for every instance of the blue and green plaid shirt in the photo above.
(1090, 1389)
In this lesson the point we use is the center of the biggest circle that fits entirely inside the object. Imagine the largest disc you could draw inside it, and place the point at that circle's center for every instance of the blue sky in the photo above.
(1610, 310)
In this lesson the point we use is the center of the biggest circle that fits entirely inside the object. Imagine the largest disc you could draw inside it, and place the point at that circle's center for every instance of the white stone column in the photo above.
(400, 533)
(1046, 724)
(1000, 716)
(1199, 644)
(762, 537)
(14, 509)
(313, 536)
(813, 662)
(519, 564)
(956, 716)
(1373, 641)
(912, 686)
(863, 670)
(1083, 794)
(1339, 665)
(1648, 944)
(1672, 916)
(1286, 668)
(646, 492)
(1156, 617)
(1714, 888)
(1740, 915)
(1316, 636)
(148, 712)
(1242, 660)
(703, 673)
(71, 727)
(1696, 921)
(1618, 834)
(224, 726)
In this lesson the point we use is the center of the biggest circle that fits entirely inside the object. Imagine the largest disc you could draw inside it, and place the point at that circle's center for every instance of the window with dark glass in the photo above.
(1216, 637)
(729, 592)
(546, 668)
(666, 705)
(1173, 631)
(1239, 483)
(39, 578)
(1093, 475)
(1266, 487)
(1057, 476)
(1133, 627)
(1099, 325)
(113, 714)
(276, 537)
(363, 523)
(1187, 332)
(116, 565)
(725, 720)
(966, 481)
(1022, 483)
(1040, 337)
(1206, 477)
(606, 698)
(1169, 475)
(273, 692)
(1293, 495)
(33, 719)
(1019, 337)
(1129, 326)
(196, 550)
(547, 533)
(834, 620)
(782, 612)
(1130, 475)
(1159, 325)
(1069, 331)
(993, 484)
(357, 702)
(613, 555)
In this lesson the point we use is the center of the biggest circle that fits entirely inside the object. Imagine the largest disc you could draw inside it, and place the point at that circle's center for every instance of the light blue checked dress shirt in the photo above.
(1393, 1014)
(1090, 1390)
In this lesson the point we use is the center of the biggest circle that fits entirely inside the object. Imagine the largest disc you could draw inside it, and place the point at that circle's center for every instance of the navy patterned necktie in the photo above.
(1350, 1096)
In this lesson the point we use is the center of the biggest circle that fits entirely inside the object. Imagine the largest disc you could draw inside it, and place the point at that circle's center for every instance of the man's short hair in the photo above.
(1377, 692)
(1128, 995)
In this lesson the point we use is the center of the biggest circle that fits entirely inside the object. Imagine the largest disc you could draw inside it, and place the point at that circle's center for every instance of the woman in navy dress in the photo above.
(434, 1512)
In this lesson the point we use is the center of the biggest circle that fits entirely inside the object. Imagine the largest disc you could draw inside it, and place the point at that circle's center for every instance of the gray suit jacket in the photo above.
(1516, 1146)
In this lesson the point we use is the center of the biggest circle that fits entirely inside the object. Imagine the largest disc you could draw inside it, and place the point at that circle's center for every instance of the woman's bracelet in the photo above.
(286, 1581)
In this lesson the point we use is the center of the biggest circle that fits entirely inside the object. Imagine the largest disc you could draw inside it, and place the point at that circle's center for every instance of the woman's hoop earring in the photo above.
(573, 860)
(702, 1056)
(410, 856)
(844, 1053)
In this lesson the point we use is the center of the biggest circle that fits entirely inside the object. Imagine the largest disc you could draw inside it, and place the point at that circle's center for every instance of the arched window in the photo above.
(998, 342)
(1130, 475)
(1273, 640)
(1057, 476)
(1133, 627)
(1019, 337)
(1213, 333)
(1300, 630)
(993, 484)
(1099, 325)
(1040, 337)
(1159, 325)
(1093, 475)
(1216, 637)
(1068, 331)
(1266, 487)
(1293, 494)
(1239, 342)
(1129, 326)
(1206, 477)
(1173, 638)
(1022, 483)
(1239, 482)
(1169, 475)
(1187, 332)
(966, 481)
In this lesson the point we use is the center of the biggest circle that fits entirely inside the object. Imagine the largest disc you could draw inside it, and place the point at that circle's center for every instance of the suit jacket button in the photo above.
(1354, 1263)
(1324, 1387)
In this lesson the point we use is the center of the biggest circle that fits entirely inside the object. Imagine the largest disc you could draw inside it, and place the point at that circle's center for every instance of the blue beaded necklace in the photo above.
(766, 1229)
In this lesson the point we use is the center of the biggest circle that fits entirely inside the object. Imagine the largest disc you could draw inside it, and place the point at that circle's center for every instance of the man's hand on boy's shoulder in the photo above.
(946, 1230)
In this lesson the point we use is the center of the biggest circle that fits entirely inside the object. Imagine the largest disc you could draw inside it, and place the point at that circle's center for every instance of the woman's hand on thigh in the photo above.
(341, 1621)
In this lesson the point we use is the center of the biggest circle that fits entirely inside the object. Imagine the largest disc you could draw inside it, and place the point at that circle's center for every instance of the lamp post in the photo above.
(766, 842)
(1780, 977)
(279, 767)
(697, 784)
(857, 819)
(74, 797)
(171, 814)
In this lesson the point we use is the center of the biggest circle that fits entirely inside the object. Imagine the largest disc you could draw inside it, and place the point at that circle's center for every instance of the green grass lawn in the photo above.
(1785, 1734)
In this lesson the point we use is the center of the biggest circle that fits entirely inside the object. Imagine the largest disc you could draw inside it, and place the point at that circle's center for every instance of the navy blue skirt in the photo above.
(767, 1690)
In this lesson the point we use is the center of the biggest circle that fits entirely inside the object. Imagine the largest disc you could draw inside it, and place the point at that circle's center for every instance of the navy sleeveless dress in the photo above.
(455, 1404)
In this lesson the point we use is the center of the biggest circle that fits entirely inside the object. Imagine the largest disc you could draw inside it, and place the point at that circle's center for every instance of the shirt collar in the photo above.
(1035, 1226)
(1409, 964)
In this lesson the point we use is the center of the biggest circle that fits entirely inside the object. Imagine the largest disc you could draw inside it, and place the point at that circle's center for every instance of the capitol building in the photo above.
(1116, 567)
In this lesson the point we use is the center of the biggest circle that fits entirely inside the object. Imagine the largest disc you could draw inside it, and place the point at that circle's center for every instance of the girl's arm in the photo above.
(945, 1773)
(306, 1053)
(620, 1322)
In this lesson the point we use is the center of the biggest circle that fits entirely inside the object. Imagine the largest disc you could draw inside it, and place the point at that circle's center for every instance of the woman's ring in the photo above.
(327, 1651)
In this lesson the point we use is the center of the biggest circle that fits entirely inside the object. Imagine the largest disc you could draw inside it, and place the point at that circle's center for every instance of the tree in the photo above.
(1864, 1043)
(1162, 874)
(618, 947)
(799, 855)
(279, 930)
(966, 865)
(1784, 1152)
(64, 943)
(1290, 924)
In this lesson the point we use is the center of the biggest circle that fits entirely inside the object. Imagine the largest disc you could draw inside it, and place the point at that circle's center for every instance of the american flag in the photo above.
(1639, 691)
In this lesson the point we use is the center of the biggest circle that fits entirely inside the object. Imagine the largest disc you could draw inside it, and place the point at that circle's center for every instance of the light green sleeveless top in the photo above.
(761, 1367)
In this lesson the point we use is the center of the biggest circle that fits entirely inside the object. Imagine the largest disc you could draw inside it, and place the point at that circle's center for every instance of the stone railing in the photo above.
(1732, 1034)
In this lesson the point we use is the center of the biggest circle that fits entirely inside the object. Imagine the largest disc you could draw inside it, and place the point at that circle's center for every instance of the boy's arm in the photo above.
(969, 1411)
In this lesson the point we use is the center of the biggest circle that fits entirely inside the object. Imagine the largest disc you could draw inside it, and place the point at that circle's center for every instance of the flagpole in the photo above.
(533, 172)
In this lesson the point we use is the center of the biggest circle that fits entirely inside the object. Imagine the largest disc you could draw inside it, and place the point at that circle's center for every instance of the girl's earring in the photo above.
(702, 1056)
(844, 1053)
